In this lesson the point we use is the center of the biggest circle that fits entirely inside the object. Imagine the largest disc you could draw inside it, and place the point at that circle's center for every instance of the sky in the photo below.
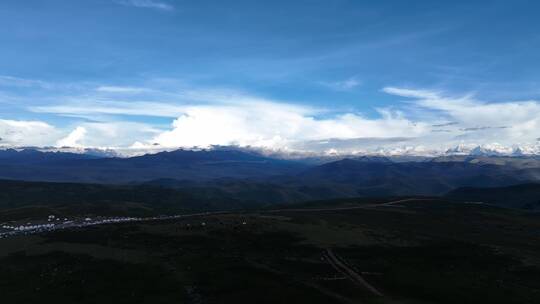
(317, 76)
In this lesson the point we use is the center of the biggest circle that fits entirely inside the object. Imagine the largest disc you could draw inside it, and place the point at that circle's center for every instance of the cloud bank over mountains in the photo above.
(169, 116)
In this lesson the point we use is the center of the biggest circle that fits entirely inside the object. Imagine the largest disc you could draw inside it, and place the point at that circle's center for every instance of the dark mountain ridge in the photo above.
(179, 164)
(410, 178)
(10, 156)
(255, 177)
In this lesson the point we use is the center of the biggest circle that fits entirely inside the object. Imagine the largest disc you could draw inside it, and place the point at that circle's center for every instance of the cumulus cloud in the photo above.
(27, 133)
(205, 117)
(73, 139)
(117, 134)
(210, 117)
(274, 125)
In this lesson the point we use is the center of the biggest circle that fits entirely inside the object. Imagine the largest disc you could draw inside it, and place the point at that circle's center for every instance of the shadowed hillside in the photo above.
(180, 164)
(525, 196)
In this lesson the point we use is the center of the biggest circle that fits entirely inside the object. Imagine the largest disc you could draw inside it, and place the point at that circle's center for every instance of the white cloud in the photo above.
(27, 133)
(116, 134)
(153, 4)
(275, 125)
(110, 116)
(423, 94)
(122, 90)
(119, 101)
(478, 121)
(344, 85)
(73, 139)
(10, 81)
(84, 108)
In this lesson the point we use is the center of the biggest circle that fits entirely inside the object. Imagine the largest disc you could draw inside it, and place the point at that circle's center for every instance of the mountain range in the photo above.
(248, 177)
(34, 165)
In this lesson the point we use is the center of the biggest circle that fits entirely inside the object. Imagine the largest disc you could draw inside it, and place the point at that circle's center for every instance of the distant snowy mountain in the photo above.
(495, 150)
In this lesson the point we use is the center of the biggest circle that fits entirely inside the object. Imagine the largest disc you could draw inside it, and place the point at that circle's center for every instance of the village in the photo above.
(53, 223)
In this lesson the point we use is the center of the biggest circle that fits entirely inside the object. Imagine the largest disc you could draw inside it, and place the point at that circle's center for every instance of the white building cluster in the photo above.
(58, 224)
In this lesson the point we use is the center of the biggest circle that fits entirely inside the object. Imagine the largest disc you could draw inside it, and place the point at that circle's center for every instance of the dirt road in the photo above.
(349, 272)
(367, 206)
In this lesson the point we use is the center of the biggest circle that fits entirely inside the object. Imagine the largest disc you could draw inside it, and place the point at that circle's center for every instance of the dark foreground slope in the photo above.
(22, 199)
(19, 200)
(30, 200)
(524, 196)
(414, 251)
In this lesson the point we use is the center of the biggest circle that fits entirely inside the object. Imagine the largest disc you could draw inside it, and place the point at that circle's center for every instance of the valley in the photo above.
(409, 251)
(365, 230)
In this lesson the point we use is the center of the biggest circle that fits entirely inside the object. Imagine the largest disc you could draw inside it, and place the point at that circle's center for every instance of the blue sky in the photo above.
(147, 73)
